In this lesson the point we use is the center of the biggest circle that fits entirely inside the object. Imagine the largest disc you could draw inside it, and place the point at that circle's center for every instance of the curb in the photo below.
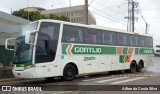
(133, 75)
(10, 79)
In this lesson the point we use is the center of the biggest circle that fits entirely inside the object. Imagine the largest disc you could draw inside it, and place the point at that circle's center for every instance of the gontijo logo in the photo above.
(87, 50)
(78, 49)
(148, 51)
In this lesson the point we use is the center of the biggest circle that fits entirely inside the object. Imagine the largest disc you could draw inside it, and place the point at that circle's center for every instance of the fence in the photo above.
(5, 56)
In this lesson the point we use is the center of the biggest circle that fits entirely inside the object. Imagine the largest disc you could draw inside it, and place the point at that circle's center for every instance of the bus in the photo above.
(51, 48)
(157, 50)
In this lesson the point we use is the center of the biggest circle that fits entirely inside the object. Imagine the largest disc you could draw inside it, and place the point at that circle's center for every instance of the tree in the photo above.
(36, 15)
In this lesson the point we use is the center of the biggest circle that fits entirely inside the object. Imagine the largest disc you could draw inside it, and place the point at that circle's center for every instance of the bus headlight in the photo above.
(29, 66)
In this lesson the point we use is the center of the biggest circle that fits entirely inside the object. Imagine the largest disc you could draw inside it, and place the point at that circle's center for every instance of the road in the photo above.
(149, 76)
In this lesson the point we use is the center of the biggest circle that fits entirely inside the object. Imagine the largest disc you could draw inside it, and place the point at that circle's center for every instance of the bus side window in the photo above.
(72, 34)
(93, 36)
(150, 40)
(90, 39)
(109, 38)
(123, 39)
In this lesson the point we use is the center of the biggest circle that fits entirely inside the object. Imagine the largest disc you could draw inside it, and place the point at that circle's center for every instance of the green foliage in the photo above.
(36, 15)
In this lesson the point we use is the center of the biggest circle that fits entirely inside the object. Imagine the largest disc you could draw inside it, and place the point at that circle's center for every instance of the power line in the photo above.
(108, 18)
(152, 17)
(151, 2)
(122, 3)
(140, 26)
(147, 25)
(146, 1)
(149, 9)
(91, 2)
(124, 11)
(105, 13)
(142, 14)
(110, 8)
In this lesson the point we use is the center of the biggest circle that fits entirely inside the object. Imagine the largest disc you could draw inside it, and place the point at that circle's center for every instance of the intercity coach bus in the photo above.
(50, 48)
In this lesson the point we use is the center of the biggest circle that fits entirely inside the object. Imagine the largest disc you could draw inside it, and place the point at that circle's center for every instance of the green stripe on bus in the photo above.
(146, 51)
(108, 50)
(19, 65)
(136, 50)
(89, 49)
(85, 49)
(125, 50)
(24, 64)
(64, 47)
(121, 58)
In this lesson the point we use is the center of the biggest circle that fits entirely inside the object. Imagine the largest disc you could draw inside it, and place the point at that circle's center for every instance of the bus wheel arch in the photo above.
(70, 71)
(140, 65)
(133, 66)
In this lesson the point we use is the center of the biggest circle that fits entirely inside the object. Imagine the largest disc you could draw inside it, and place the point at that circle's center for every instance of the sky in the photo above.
(108, 13)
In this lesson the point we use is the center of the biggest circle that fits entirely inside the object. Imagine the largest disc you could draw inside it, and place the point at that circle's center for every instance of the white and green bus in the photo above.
(50, 48)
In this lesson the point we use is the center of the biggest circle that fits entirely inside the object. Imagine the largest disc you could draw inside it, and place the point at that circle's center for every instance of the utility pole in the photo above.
(132, 7)
(70, 10)
(28, 7)
(86, 12)
(147, 28)
(129, 17)
(133, 16)
(11, 7)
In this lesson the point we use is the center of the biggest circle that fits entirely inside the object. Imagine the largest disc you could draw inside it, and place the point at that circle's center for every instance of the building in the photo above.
(75, 13)
(9, 28)
(33, 9)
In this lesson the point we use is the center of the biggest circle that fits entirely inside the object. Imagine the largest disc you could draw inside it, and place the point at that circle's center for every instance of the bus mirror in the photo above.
(10, 42)
(29, 37)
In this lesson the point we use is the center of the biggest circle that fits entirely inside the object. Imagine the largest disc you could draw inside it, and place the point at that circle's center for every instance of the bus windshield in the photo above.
(29, 27)
(23, 52)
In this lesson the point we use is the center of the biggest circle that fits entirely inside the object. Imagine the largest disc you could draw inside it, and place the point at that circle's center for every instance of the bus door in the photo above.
(45, 54)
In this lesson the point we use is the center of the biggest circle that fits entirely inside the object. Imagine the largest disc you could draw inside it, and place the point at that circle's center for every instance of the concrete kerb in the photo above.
(133, 75)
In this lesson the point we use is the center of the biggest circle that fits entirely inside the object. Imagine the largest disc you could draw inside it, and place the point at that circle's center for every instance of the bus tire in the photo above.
(133, 67)
(69, 72)
(139, 66)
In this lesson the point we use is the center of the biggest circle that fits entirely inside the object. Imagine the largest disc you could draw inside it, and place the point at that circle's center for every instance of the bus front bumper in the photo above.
(27, 73)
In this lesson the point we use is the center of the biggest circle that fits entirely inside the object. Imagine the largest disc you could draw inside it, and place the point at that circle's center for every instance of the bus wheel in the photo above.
(139, 66)
(133, 67)
(69, 72)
